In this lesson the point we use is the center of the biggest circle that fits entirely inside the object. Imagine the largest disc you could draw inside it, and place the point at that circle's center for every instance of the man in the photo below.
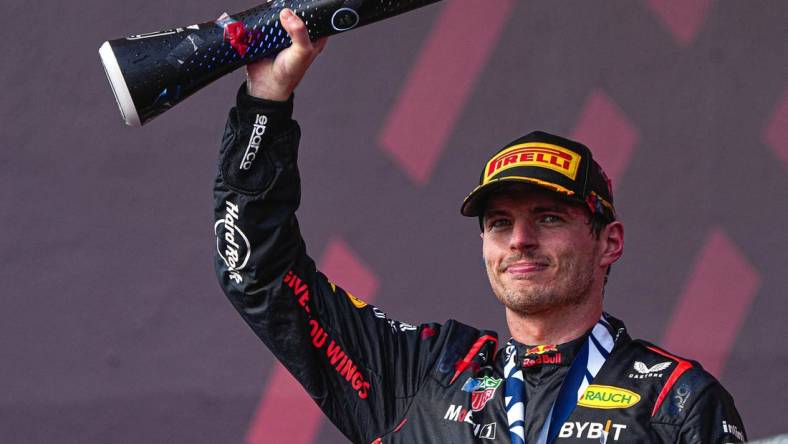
(570, 373)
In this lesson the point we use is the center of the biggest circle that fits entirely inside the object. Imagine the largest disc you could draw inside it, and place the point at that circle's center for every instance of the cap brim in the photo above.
(473, 205)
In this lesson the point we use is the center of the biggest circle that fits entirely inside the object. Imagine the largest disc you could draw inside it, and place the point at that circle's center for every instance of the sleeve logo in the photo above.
(258, 129)
(231, 243)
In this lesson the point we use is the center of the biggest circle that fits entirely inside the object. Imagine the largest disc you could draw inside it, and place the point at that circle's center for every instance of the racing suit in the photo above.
(384, 381)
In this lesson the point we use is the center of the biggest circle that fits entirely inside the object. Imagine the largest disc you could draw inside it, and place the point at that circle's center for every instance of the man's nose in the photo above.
(524, 236)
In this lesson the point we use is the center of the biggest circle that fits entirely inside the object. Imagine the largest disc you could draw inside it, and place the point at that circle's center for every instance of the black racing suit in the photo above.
(380, 380)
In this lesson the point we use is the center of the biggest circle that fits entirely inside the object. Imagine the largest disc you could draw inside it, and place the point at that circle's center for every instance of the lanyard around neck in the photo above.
(584, 368)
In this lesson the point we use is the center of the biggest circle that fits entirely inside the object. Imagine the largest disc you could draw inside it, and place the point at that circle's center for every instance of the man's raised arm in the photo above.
(347, 354)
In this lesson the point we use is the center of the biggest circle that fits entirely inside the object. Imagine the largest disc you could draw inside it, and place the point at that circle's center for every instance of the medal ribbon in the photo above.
(584, 368)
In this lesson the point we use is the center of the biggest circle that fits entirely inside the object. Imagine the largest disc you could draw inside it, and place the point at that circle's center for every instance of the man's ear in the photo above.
(612, 238)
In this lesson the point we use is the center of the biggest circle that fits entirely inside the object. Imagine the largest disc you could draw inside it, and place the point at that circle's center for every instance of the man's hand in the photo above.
(276, 79)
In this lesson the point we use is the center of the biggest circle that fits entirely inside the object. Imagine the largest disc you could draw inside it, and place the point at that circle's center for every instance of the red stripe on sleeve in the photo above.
(677, 372)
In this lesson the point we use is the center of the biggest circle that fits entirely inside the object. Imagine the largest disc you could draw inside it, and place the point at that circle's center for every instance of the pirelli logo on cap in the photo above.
(534, 154)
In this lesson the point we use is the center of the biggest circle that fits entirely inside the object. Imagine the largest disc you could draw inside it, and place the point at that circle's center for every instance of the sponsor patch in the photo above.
(592, 430)
(541, 349)
(680, 398)
(733, 430)
(458, 413)
(534, 154)
(396, 326)
(484, 431)
(358, 303)
(482, 390)
(542, 354)
(552, 358)
(258, 129)
(643, 371)
(231, 243)
(608, 397)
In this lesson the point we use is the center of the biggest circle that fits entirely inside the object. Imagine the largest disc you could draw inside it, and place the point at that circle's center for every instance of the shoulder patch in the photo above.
(682, 366)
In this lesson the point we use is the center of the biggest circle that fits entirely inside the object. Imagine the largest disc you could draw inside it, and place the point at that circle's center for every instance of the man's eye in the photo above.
(551, 218)
(499, 223)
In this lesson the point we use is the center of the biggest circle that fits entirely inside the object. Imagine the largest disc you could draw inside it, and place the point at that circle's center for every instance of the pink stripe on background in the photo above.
(440, 82)
(714, 304)
(286, 414)
(776, 132)
(606, 130)
(343, 267)
(683, 18)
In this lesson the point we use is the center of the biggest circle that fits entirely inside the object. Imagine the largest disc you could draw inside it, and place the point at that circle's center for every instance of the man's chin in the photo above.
(530, 307)
(530, 300)
(531, 286)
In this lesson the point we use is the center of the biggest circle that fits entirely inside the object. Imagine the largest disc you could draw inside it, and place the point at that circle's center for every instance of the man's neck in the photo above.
(555, 326)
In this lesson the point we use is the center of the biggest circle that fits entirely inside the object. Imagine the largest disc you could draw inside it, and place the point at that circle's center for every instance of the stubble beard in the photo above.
(570, 285)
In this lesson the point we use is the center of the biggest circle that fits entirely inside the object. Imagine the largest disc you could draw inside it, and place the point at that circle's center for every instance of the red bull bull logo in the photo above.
(541, 349)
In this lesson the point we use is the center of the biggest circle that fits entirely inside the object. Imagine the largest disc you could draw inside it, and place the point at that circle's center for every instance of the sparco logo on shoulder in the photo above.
(258, 129)
(231, 243)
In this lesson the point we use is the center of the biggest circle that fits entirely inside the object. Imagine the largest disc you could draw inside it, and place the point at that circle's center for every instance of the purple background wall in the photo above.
(114, 329)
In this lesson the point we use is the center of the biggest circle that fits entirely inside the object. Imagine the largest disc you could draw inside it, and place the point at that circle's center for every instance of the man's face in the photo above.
(539, 250)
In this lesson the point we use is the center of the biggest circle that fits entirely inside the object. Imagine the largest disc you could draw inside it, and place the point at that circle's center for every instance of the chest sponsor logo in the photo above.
(542, 359)
(541, 354)
(482, 390)
(534, 154)
(607, 397)
(231, 243)
(643, 371)
(597, 431)
(458, 413)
